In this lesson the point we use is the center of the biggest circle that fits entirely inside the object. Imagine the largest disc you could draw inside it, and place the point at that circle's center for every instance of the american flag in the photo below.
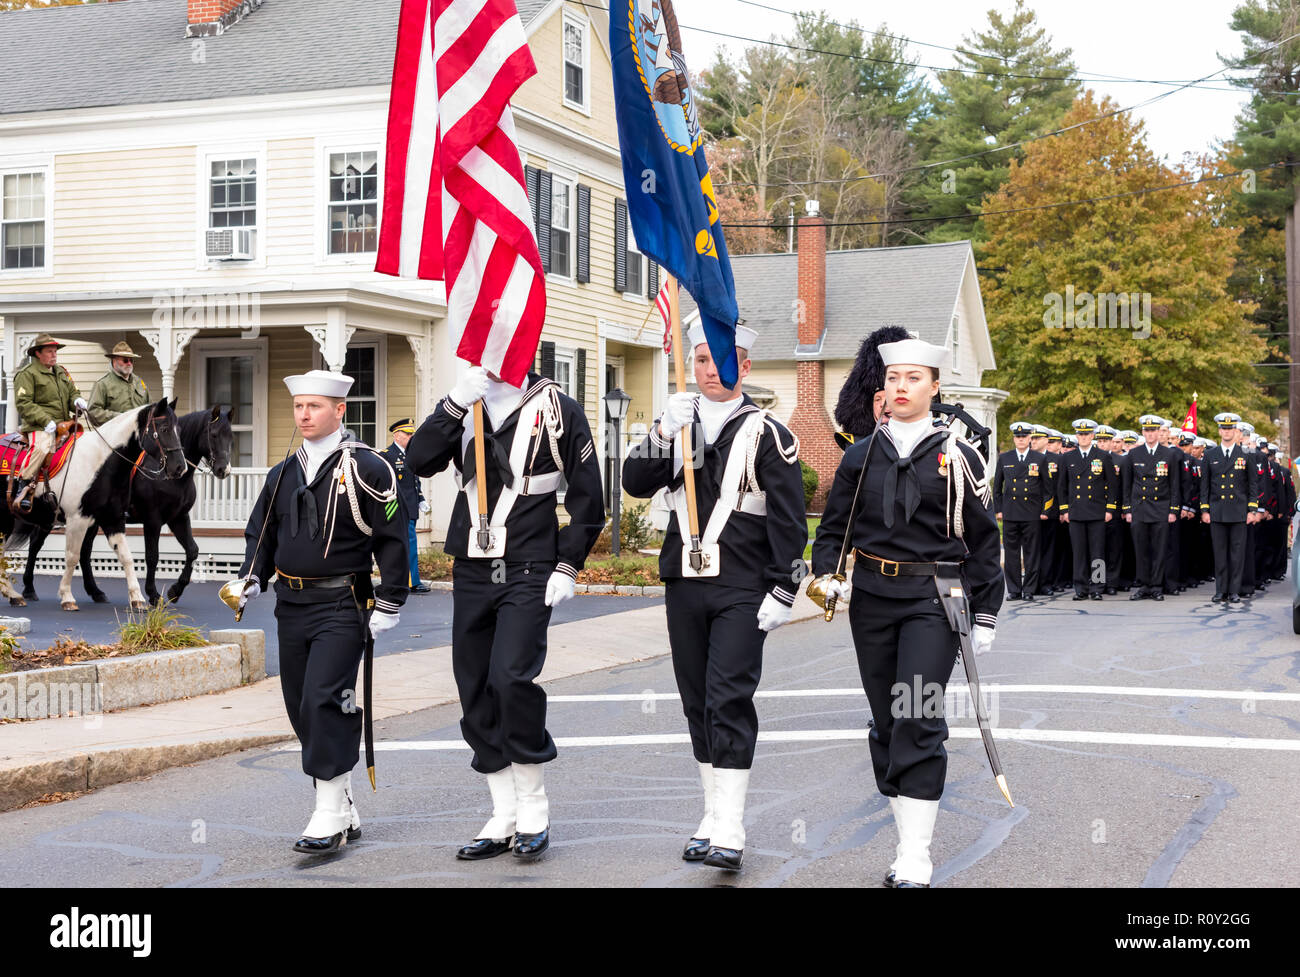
(455, 203)
(665, 310)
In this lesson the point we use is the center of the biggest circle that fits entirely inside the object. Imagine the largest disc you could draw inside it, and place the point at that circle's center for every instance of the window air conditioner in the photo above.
(230, 243)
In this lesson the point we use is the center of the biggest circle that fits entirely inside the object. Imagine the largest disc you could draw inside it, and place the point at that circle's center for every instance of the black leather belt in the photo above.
(315, 583)
(897, 568)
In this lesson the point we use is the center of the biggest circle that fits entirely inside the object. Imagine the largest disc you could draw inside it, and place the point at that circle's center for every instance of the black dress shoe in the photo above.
(1137, 595)
(1027, 597)
(728, 858)
(1079, 597)
(484, 848)
(911, 885)
(891, 880)
(323, 846)
(531, 846)
(1157, 596)
(1232, 599)
(695, 850)
(1125, 589)
(1109, 591)
(1096, 596)
(1217, 598)
(423, 588)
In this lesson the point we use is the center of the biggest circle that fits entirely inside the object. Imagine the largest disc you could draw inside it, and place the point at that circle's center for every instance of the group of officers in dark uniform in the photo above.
(1108, 511)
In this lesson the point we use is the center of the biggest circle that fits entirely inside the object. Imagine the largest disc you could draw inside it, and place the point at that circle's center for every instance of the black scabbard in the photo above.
(364, 601)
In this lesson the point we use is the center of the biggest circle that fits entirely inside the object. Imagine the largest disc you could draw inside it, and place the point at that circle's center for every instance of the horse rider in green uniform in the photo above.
(119, 390)
(45, 395)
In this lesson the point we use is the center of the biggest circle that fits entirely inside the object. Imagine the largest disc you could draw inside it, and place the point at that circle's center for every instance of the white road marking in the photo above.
(987, 687)
(830, 735)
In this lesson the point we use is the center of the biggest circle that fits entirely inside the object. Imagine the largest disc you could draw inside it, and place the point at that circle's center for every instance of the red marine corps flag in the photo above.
(455, 204)
(1189, 421)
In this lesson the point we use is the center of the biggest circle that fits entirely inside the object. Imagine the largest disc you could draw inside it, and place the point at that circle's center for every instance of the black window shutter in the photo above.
(544, 219)
(584, 233)
(548, 360)
(580, 382)
(532, 179)
(620, 246)
(652, 287)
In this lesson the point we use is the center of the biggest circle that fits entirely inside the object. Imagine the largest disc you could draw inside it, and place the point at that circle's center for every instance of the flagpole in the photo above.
(480, 477)
(696, 554)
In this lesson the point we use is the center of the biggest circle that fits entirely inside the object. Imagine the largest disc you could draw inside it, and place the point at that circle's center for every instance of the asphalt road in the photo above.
(1189, 785)
(425, 620)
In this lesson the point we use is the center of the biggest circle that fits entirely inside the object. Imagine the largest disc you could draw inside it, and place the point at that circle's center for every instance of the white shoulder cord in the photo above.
(956, 458)
(751, 450)
(347, 477)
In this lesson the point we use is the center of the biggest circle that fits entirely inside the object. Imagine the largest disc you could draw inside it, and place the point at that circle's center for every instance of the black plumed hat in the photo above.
(853, 411)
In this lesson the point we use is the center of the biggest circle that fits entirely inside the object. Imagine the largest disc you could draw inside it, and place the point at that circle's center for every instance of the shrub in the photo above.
(8, 644)
(809, 482)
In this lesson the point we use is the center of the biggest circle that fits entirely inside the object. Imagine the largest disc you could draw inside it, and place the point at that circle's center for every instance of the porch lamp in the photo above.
(615, 410)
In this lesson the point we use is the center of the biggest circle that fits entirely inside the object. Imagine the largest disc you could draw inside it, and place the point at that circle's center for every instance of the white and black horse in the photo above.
(92, 487)
(206, 436)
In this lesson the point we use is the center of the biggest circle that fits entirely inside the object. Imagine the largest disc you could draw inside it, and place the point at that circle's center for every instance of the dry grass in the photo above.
(156, 629)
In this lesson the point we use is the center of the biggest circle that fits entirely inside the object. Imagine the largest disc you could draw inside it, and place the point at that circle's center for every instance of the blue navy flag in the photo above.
(670, 199)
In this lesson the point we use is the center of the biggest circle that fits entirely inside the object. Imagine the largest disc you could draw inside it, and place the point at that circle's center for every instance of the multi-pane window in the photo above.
(354, 202)
(22, 221)
(561, 227)
(564, 371)
(575, 39)
(233, 193)
(362, 417)
(636, 273)
(956, 344)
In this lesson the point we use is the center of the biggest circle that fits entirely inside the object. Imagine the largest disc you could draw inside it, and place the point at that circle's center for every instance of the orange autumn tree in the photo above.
(1067, 344)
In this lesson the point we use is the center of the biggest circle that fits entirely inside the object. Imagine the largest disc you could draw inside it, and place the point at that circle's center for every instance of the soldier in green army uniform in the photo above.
(119, 390)
(45, 395)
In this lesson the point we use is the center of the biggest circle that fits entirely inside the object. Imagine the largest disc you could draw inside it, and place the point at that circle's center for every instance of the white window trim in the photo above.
(571, 181)
(200, 350)
(45, 166)
(585, 25)
(956, 343)
(204, 155)
(638, 296)
(324, 149)
(380, 342)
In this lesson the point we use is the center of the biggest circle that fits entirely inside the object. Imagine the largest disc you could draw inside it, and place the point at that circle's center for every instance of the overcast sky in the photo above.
(1161, 39)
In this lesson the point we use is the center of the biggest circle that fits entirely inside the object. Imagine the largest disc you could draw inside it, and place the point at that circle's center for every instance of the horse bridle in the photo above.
(210, 452)
(152, 428)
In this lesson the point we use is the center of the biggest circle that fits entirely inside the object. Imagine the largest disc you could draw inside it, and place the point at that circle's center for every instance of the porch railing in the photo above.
(227, 501)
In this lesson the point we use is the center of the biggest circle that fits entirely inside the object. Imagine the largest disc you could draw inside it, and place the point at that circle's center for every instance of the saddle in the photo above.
(15, 450)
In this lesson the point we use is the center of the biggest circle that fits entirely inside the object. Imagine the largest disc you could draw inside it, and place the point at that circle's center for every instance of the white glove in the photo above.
(472, 386)
(679, 412)
(251, 589)
(839, 589)
(51, 427)
(80, 403)
(981, 639)
(773, 614)
(558, 589)
(424, 507)
(381, 622)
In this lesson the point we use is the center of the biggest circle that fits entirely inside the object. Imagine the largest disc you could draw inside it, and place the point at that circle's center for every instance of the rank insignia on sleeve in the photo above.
(390, 509)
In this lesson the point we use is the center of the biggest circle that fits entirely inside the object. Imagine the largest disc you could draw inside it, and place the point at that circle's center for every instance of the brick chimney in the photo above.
(810, 421)
(211, 17)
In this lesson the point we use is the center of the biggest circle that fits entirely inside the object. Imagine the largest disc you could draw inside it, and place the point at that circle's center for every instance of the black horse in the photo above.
(93, 485)
(205, 435)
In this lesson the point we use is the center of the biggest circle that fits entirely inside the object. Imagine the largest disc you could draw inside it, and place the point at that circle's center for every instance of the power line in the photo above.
(1021, 210)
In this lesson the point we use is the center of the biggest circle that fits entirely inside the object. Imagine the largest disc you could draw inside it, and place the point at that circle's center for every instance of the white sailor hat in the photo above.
(1054, 435)
(745, 337)
(1083, 426)
(914, 351)
(1151, 422)
(1227, 419)
(1165, 422)
(1246, 427)
(1272, 447)
(1203, 442)
(320, 383)
(1042, 431)
(1021, 429)
(1185, 436)
(1106, 431)
(1130, 437)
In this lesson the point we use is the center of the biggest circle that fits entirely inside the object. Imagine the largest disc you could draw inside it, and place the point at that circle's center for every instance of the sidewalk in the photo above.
(65, 755)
